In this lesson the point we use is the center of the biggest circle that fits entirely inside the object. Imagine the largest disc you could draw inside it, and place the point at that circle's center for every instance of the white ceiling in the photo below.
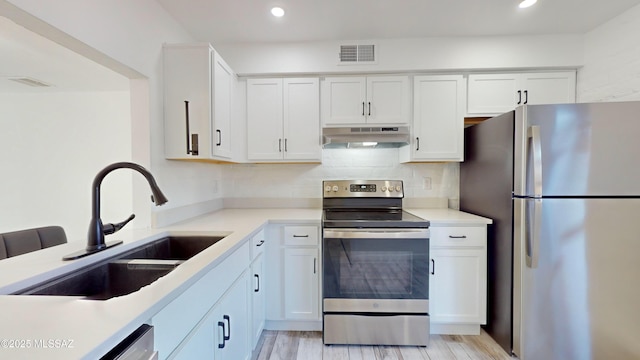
(24, 53)
(224, 21)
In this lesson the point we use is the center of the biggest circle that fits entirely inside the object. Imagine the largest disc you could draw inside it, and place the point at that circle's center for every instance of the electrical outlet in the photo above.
(427, 183)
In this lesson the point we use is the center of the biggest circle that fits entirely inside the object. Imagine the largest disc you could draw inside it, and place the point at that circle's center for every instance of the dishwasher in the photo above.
(137, 346)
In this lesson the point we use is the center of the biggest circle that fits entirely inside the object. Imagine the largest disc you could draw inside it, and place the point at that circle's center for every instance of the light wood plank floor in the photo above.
(307, 345)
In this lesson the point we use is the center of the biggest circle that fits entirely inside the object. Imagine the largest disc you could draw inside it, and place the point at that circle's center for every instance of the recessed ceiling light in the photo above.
(277, 11)
(526, 3)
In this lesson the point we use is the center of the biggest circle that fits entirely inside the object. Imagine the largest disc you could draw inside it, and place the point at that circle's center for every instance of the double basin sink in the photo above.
(127, 272)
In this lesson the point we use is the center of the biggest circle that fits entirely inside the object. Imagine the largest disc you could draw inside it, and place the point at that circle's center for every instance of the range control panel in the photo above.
(363, 188)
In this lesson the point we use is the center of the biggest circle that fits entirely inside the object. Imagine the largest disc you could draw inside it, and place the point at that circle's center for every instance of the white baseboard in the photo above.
(292, 325)
(455, 329)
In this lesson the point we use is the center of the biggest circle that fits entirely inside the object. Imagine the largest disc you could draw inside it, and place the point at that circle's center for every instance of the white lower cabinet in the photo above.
(257, 287)
(231, 323)
(258, 299)
(273, 281)
(201, 343)
(456, 286)
(188, 326)
(458, 279)
(224, 332)
(293, 278)
(301, 290)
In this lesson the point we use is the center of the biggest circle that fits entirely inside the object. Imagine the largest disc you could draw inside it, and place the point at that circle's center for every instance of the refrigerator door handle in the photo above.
(533, 134)
(532, 245)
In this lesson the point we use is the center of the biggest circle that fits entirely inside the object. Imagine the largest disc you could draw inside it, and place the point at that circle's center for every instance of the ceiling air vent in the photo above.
(29, 81)
(354, 54)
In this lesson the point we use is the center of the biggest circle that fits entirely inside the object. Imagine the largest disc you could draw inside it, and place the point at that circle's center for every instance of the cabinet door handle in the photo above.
(369, 108)
(363, 108)
(285, 144)
(417, 143)
(192, 139)
(260, 243)
(224, 339)
(186, 118)
(279, 145)
(300, 236)
(219, 137)
(433, 267)
(257, 289)
(457, 237)
(526, 96)
(315, 260)
(519, 97)
(228, 335)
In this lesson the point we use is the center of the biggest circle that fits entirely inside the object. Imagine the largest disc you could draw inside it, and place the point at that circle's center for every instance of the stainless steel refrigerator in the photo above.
(562, 185)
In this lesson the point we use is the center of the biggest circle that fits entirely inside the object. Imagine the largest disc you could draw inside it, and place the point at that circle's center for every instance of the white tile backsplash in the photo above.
(292, 181)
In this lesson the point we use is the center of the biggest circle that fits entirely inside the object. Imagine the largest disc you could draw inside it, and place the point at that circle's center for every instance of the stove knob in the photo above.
(390, 188)
(327, 188)
(398, 188)
(335, 188)
(383, 188)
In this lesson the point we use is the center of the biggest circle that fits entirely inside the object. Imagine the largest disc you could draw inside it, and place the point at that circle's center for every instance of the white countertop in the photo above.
(449, 217)
(74, 328)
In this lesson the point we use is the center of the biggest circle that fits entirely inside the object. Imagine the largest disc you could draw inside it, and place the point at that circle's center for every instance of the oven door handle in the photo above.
(376, 234)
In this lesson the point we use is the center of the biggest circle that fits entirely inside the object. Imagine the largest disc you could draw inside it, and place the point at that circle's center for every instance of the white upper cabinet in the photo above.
(198, 87)
(381, 100)
(283, 119)
(264, 119)
(493, 94)
(301, 114)
(549, 88)
(343, 100)
(223, 79)
(438, 119)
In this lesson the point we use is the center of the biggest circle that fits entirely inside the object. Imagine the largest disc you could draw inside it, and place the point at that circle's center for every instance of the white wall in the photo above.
(51, 146)
(131, 33)
(611, 69)
(420, 54)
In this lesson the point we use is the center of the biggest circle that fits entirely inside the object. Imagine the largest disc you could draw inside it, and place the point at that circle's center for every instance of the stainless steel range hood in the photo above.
(365, 137)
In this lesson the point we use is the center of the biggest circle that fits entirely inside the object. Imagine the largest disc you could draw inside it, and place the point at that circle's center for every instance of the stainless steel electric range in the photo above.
(375, 287)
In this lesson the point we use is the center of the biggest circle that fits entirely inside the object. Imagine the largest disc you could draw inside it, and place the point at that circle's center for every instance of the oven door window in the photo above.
(376, 268)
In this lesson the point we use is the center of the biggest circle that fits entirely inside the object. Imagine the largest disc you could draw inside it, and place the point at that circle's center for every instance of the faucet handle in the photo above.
(109, 229)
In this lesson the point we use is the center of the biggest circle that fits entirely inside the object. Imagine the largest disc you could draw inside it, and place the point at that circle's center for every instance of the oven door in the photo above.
(376, 270)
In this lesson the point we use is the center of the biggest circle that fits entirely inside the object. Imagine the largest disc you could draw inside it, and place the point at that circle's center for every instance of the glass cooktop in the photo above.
(357, 218)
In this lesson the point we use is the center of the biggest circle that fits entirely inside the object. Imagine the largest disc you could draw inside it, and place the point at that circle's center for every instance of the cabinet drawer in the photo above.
(257, 244)
(301, 235)
(453, 236)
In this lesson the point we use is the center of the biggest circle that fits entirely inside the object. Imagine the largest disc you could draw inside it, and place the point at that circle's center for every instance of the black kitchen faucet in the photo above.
(97, 231)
